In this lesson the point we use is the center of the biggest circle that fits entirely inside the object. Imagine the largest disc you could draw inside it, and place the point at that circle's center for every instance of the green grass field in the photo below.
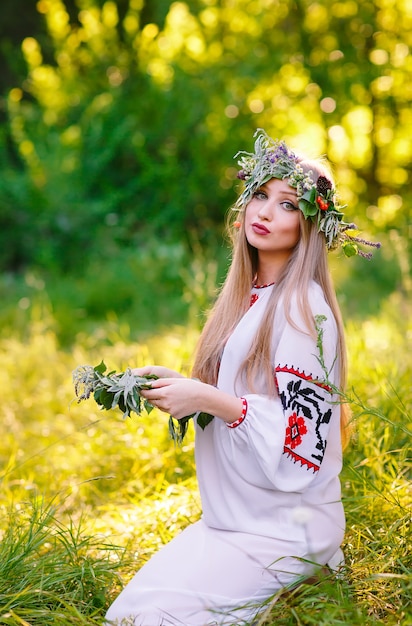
(88, 497)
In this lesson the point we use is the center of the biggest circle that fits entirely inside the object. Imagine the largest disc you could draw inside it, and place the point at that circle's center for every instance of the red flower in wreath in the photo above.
(295, 430)
(322, 204)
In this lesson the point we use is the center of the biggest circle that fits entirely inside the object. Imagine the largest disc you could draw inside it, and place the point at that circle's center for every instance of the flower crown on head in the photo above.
(317, 200)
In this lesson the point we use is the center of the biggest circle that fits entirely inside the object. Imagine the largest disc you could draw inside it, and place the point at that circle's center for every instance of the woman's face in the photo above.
(272, 220)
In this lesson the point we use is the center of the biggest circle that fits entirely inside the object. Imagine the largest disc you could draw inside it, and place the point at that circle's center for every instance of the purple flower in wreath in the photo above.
(323, 185)
(294, 431)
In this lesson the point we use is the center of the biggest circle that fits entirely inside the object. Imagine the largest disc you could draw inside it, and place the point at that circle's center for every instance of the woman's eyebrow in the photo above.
(286, 192)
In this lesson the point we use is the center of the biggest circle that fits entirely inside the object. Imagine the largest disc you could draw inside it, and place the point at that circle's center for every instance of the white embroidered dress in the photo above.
(269, 487)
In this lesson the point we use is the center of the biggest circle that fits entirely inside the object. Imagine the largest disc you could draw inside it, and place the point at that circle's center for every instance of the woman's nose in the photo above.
(265, 211)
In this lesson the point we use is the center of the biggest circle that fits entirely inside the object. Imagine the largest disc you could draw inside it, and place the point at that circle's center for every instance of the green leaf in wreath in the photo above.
(350, 249)
(308, 208)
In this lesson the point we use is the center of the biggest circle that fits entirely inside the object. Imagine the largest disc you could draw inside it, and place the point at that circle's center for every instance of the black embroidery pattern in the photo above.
(306, 397)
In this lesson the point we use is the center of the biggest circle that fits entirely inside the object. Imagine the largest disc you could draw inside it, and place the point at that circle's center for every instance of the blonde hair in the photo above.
(308, 262)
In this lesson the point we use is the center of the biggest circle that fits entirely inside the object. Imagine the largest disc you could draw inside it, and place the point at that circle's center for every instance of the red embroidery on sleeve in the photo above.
(295, 372)
(242, 417)
(295, 457)
(295, 430)
(304, 403)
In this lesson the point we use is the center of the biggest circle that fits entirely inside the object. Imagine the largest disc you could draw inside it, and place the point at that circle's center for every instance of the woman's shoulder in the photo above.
(316, 298)
(306, 305)
(313, 297)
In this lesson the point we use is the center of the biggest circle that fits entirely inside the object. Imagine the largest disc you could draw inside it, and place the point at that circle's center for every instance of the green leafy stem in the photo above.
(319, 320)
(122, 391)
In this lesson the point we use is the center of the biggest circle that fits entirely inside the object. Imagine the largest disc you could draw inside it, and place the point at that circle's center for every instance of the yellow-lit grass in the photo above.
(101, 494)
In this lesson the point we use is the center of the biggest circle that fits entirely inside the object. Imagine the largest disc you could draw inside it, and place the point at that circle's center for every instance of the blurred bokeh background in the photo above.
(119, 121)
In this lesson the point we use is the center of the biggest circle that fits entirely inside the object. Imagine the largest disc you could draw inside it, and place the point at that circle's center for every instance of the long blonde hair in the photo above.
(308, 262)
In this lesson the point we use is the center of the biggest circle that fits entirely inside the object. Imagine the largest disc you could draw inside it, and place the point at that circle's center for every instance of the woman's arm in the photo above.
(180, 396)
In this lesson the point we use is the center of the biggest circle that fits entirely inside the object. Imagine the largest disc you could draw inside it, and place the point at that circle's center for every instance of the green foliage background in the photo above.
(120, 121)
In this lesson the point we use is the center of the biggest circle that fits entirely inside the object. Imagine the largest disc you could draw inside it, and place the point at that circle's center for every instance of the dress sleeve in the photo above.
(288, 434)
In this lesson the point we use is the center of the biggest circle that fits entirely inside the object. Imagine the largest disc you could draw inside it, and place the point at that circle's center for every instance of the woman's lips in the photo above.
(260, 229)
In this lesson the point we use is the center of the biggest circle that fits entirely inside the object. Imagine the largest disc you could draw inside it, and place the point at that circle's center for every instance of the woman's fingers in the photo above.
(156, 370)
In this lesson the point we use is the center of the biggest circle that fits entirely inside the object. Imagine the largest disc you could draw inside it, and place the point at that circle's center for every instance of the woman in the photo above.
(269, 366)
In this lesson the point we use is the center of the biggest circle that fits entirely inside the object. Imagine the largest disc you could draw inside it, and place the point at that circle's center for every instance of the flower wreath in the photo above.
(317, 200)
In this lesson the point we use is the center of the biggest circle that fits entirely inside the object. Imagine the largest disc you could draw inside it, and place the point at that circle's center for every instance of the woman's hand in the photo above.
(156, 370)
(178, 396)
(181, 397)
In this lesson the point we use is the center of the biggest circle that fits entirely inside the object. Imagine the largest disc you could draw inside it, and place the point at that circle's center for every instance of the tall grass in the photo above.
(87, 497)
(51, 573)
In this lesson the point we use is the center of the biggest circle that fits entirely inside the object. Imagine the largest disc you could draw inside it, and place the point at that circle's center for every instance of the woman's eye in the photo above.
(289, 206)
(260, 195)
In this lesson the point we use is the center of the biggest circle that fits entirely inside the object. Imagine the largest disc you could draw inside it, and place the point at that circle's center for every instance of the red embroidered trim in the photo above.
(263, 286)
(242, 417)
(295, 372)
(253, 299)
(302, 461)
